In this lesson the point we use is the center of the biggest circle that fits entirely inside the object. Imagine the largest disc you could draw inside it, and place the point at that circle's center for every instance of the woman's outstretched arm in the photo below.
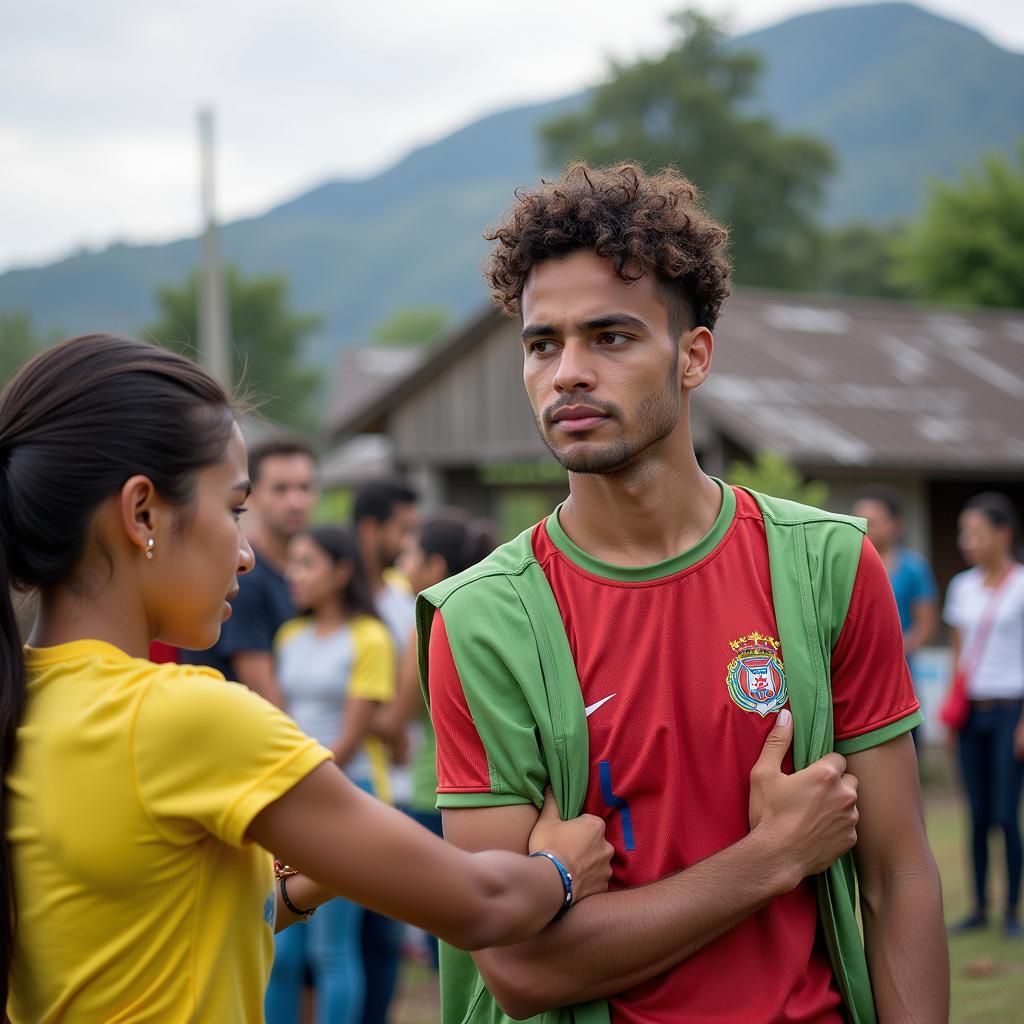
(357, 847)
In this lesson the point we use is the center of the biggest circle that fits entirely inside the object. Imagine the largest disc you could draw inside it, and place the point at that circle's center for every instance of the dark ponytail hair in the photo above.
(458, 538)
(1001, 513)
(76, 422)
(340, 545)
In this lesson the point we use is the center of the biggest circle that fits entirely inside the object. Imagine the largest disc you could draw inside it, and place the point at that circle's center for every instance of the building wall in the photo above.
(474, 411)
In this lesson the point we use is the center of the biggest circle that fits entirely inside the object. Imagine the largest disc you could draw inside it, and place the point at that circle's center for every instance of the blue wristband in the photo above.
(566, 877)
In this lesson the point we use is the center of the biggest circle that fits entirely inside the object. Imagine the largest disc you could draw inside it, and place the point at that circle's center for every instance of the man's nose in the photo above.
(575, 370)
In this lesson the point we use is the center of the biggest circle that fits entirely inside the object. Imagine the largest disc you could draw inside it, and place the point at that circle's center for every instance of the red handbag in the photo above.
(956, 708)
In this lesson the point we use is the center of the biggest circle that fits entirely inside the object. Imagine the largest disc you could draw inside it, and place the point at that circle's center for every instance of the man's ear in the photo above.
(697, 347)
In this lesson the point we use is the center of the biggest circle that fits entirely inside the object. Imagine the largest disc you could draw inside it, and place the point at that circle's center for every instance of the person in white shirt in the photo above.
(335, 667)
(985, 612)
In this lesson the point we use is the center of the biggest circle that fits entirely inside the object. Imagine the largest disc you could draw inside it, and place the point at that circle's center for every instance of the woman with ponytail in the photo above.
(141, 801)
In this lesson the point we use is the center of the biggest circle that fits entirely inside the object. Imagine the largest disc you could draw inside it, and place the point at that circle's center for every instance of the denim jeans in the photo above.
(329, 945)
(993, 779)
(430, 820)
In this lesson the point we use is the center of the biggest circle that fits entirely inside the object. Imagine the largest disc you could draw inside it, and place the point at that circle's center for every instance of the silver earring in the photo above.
(150, 544)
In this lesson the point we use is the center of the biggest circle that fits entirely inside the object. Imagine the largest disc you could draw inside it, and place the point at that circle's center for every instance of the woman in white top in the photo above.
(336, 666)
(985, 610)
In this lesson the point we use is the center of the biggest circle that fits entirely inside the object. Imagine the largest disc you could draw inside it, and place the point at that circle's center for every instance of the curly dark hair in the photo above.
(644, 223)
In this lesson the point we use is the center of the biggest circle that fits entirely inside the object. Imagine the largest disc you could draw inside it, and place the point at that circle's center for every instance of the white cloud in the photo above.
(98, 100)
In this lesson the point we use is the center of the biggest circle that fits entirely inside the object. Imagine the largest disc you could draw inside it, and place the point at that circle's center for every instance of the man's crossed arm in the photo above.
(801, 823)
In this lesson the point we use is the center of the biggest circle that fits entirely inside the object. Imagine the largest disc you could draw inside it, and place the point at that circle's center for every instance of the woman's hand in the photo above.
(579, 844)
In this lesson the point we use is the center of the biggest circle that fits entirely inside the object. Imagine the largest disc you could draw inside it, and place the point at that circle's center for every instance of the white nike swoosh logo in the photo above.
(591, 708)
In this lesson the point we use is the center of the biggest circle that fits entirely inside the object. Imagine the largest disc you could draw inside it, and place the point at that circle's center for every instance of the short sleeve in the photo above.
(373, 665)
(952, 612)
(210, 755)
(465, 774)
(873, 698)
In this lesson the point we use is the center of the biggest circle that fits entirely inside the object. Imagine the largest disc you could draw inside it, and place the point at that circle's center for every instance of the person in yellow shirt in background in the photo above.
(335, 667)
(141, 799)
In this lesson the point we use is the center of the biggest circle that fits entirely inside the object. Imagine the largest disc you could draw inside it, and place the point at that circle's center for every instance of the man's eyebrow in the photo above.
(536, 330)
(587, 326)
(613, 320)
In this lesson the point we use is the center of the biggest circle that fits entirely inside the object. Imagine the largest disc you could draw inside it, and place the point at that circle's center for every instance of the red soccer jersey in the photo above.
(681, 674)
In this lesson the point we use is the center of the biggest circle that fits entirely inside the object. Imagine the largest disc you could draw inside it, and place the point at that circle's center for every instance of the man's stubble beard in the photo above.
(656, 418)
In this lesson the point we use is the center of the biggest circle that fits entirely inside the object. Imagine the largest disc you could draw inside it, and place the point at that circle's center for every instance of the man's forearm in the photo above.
(906, 947)
(611, 942)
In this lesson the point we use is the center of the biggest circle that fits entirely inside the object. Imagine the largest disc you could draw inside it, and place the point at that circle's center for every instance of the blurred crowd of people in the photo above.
(324, 628)
(984, 614)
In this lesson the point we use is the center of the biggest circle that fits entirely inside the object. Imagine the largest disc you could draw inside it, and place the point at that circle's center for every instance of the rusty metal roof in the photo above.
(824, 380)
(876, 383)
(365, 376)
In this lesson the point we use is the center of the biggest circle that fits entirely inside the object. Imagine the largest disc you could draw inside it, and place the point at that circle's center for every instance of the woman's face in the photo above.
(314, 579)
(981, 541)
(197, 566)
(421, 572)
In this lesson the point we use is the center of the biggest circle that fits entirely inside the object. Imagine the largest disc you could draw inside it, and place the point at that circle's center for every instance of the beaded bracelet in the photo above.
(282, 872)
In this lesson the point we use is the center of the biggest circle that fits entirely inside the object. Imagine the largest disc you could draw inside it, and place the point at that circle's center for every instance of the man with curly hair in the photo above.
(717, 673)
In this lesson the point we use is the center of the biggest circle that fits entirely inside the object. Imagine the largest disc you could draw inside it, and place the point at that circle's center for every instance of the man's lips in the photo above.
(576, 418)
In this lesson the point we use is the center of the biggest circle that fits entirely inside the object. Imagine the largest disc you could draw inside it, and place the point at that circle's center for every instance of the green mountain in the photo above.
(899, 93)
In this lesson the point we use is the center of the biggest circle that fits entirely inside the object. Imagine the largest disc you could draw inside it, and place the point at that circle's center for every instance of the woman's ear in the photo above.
(140, 516)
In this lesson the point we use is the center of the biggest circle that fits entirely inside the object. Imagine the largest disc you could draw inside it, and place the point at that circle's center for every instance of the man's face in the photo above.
(883, 526)
(285, 493)
(395, 533)
(603, 372)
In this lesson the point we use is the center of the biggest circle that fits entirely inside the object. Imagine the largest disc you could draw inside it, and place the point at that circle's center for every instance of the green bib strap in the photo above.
(505, 628)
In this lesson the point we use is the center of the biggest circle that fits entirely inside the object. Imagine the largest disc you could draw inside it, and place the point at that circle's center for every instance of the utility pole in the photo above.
(214, 316)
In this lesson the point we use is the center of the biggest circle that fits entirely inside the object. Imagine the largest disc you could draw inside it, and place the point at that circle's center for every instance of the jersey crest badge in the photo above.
(755, 677)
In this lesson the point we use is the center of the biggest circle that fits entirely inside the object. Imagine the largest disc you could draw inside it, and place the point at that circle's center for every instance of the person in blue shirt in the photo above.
(282, 471)
(913, 584)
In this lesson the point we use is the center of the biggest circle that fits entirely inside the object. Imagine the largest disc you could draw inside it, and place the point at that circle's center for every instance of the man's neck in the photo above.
(270, 547)
(643, 515)
(888, 554)
(373, 570)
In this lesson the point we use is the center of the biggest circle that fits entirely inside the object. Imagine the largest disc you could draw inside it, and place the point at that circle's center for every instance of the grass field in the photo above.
(987, 971)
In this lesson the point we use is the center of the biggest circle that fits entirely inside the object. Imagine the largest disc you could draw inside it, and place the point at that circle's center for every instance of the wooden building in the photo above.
(929, 401)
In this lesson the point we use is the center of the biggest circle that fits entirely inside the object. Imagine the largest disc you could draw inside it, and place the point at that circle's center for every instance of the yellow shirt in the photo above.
(319, 673)
(133, 784)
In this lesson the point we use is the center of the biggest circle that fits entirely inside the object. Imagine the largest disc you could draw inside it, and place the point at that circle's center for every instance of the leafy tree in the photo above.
(690, 108)
(862, 259)
(18, 342)
(968, 245)
(415, 325)
(268, 337)
(772, 473)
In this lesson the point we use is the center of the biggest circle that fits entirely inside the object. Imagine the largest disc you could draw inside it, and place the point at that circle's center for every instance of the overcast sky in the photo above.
(98, 99)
